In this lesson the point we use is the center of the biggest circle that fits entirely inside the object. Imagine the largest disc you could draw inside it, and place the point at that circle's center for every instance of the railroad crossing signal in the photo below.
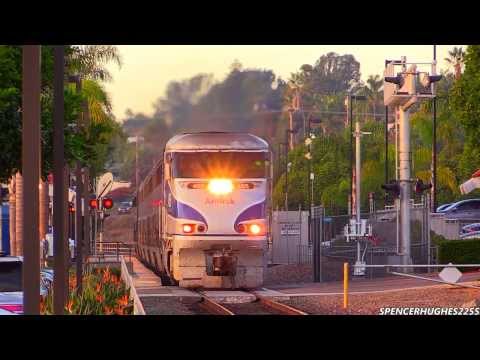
(107, 203)
(93, 204)
(420, 187)
(392, 188)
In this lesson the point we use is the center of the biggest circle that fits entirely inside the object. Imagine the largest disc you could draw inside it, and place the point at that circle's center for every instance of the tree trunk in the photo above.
(19, 214)
(12, 213)
(458, 71)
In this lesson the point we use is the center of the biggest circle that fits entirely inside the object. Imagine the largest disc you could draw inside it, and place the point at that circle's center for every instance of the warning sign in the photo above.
(290, 229)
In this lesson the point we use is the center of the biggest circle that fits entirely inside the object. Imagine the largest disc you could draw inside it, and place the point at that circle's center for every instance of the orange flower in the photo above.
(69, 306)
(99, 298)
(108, 310)
(98, 287)
(123, 301)
(118, 310)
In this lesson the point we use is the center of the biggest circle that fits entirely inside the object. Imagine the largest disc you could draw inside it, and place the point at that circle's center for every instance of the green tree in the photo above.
(465, 101)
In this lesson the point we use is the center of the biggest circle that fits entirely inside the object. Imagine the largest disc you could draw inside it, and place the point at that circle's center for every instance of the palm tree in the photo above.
(456, 59)
(89, 61)
(373, 91)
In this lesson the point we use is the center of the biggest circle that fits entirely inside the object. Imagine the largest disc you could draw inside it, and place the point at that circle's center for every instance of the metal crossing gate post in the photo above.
(316, 232)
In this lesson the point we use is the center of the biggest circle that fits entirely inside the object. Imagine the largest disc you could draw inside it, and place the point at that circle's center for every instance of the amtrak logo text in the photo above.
(219, 201)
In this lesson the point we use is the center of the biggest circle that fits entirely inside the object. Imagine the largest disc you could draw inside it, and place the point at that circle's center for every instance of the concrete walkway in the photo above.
(144, 280)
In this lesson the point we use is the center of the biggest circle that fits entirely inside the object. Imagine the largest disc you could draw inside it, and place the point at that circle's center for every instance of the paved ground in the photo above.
(359, 286)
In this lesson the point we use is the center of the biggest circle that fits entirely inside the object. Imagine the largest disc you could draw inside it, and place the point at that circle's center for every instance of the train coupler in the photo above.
(221, 262)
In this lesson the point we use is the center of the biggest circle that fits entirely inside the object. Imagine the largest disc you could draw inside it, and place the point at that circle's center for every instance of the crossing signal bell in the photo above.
(392, 188)
(420, 187)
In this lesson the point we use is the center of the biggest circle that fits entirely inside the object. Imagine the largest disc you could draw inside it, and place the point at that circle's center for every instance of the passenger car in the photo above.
(470, 231)
(442, 208)
(124, 207)
(464, 209)
(11, 295)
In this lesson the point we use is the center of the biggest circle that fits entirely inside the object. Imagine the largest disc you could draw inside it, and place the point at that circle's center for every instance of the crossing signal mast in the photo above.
(404, 87)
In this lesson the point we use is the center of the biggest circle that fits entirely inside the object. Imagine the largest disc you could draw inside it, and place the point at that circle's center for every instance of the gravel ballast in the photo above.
(370, 304)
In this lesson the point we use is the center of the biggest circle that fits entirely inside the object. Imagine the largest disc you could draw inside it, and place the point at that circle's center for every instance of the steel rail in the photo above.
(277, 306)
(213, 307)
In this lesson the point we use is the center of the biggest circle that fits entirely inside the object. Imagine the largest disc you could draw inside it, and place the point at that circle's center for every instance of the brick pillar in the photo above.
(19, 214)
(12, 213)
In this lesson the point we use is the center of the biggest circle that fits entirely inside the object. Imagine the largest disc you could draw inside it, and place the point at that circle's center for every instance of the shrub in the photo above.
(458, 251)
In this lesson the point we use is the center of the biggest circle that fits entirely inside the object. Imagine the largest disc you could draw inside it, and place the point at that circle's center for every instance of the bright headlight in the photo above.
(220, 186)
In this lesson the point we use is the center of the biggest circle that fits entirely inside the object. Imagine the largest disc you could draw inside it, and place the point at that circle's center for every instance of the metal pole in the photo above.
(78, 205)
(31, 83)
(309, 182)
(87, 229)
(78, 225)
(136, 162)
(286, 173)
(350, 116)
(434, 145)
(404, 172)
(357, 170)
(357, 185)
(386, 151)
(59, 176)
(345, 285)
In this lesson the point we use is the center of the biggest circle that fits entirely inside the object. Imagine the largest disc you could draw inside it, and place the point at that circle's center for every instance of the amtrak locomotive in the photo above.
(204, 211)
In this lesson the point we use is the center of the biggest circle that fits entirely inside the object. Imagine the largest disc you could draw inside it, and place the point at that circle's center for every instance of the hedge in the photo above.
(457, 251)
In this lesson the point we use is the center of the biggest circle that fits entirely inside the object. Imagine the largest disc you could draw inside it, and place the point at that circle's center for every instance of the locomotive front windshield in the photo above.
(232, 165)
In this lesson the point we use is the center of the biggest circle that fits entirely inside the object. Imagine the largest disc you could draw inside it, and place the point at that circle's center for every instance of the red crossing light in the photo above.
(107, 203)
(93, 204)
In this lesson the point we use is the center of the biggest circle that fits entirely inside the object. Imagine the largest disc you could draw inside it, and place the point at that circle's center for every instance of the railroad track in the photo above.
(261, 306)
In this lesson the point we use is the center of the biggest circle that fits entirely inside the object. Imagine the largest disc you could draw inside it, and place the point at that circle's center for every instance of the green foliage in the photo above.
(458, 251)
(88, 145)
(465, 101)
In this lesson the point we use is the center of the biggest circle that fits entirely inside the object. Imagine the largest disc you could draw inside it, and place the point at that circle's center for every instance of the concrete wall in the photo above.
(127, 278)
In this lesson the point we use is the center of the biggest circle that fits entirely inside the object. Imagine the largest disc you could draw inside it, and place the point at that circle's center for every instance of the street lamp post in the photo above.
(434, 144)
(348, 102)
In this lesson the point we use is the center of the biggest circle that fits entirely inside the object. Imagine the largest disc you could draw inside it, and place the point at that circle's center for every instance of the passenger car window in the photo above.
(464, 207)
(11, 276)
(475, 205)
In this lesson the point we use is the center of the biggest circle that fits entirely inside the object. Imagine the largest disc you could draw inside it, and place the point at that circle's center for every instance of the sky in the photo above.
(147, 69)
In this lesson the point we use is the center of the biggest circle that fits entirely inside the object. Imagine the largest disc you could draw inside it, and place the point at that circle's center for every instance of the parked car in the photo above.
(470, 231)
(465, 209)
(124, 207)
(11, 294)
(442, 208)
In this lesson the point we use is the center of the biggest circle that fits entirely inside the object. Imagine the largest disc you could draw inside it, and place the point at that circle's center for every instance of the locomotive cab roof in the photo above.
(216, 141)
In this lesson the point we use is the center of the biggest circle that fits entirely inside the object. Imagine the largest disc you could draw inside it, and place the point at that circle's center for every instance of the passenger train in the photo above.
(204, 211)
